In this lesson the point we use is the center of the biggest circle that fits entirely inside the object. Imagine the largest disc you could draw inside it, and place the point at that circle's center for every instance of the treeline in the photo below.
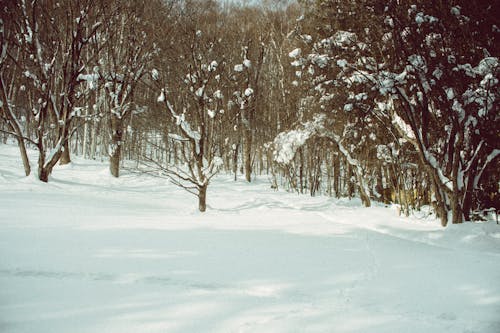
(387, 101)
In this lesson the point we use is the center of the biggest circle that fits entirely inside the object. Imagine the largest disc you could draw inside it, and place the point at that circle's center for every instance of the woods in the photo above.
(386, 101)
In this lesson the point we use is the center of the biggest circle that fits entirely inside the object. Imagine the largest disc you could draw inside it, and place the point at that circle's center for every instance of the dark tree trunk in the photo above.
(235, 161)
(301, 170)
(24, 156)
(365, 197)
(336, 176)
(114, 161)
(248, 154)
(13, 124)
(202, 198)
(440, 205)
(43, 174)
(116, 146)
(65, 155)
(456, 208)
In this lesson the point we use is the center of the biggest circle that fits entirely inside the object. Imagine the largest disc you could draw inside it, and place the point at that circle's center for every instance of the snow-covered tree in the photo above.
(45, 44)
(125, 59)
(195, 107)
(430, 69)
(443, 82)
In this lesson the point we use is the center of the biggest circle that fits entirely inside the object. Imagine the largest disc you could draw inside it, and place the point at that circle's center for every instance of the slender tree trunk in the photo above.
(85, 135)
(336, 176)
(116, 146)
(467, 202)
(248, 154)
(43, 174)
(14, 125)
(365, 198)
(440, 204)
(235, 161)
(65, 155)
(24, 156)
(202, 198)
(301, 170)
(456, 208)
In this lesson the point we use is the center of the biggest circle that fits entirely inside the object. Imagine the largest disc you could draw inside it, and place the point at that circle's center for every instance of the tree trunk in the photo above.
(467, 202)
(235, 161)
(365, 199)
(65, 156)
(43, 174)
(116, 146)
(14, 125)
(202, 198)
(248, 154)
(456, 208)
(114, 161)
(24, 156)
(301, 170)
(440, 204)
(336, 176)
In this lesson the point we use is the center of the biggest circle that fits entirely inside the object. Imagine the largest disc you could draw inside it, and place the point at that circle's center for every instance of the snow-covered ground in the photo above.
(89, 253)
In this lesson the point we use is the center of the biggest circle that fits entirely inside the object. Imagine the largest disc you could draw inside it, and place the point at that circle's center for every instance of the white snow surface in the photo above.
(90, 253)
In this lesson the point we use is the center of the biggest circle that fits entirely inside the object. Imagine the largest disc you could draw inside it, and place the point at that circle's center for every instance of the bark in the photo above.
(116, 146)
(248, 154)
(114, 162)
(65, 155)
(43, 175)
(336, 176)
(301, 170)
(45, 167)
(235, 161)
(14, 125)
(24, 156)
(365, 198)
(202, 198)
(440, 204)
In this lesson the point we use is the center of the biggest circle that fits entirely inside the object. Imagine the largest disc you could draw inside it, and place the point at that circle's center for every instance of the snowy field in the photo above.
(89, 253)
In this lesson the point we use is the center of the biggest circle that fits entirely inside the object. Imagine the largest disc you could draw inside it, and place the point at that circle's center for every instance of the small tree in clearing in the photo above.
(201, 104)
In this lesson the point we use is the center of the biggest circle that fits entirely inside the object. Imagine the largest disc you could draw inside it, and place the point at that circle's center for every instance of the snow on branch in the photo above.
(185, 126)
(286, 143)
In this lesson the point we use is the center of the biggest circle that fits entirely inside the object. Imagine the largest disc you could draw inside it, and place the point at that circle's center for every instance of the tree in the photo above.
(126, 57)
(7, 112)
(444, 81)
(195, 108)
(49, 56)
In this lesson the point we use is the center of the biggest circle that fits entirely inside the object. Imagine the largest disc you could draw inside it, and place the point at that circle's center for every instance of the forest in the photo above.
(391, 101)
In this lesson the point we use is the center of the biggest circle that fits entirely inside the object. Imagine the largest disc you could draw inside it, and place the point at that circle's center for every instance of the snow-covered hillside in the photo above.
(90, 253)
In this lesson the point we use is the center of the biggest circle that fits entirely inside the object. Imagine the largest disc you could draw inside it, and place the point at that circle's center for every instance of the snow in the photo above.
(213, 66)
(88, 252)
(342, 63)
(455, 10)
(286, 143)
(348, 107)
(487, 66)
(218, 94)
(155, 74)
(200, 91)
(419, 18)
(238, 68)
(321, 60)
(161, 97)
(295, 53)
(344, 38)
